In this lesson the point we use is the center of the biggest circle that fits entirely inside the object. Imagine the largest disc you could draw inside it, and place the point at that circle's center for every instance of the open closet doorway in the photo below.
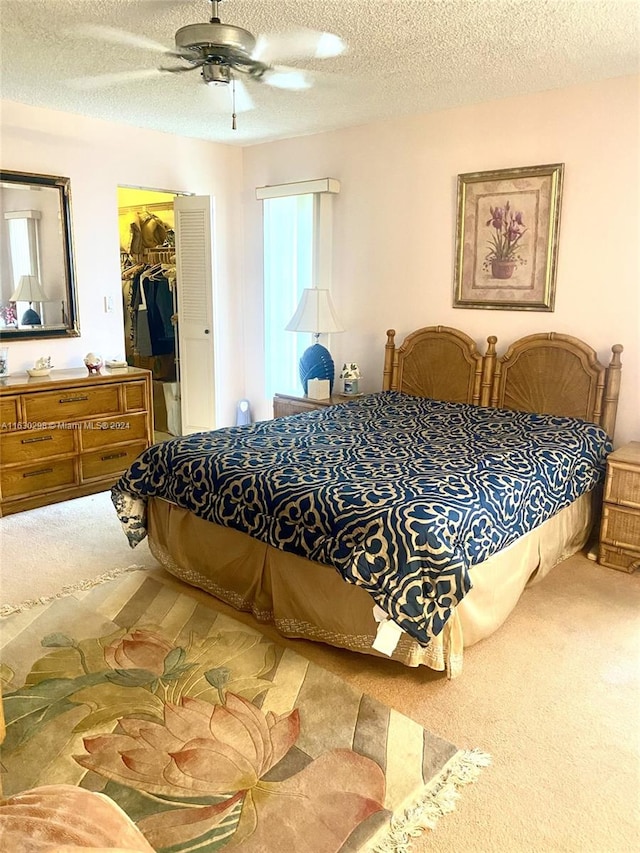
(146, 225)
(167, 262)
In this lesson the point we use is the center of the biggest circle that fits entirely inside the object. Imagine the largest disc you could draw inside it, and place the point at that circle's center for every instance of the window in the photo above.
(23, 243)
(288, 269)
(297, 255)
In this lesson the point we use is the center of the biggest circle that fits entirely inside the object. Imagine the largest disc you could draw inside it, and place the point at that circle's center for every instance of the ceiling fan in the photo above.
(225, 54)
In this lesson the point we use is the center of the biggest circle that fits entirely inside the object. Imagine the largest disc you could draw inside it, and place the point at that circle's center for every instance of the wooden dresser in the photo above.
(70, 434)
(620, 529)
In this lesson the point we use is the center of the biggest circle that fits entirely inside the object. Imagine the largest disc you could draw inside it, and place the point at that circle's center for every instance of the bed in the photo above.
(395, 493)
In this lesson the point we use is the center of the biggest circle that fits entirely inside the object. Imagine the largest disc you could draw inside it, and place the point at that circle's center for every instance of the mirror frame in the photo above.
(72, 328)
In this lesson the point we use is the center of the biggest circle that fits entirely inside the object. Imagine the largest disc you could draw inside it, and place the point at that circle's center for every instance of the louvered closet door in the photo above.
(194, 270)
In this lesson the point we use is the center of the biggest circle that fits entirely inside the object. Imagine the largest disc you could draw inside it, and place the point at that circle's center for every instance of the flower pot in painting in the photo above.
(502, 267)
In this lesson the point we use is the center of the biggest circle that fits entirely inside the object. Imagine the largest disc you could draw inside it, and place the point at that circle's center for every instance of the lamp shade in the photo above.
(29, 289)
(350, 370)
(315, 313)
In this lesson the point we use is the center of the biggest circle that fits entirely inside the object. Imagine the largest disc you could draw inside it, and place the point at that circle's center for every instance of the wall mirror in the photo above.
(38, 296)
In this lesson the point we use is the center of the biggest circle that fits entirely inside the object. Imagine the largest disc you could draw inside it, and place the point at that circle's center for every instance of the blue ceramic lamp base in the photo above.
(316, 363)
(31, 318)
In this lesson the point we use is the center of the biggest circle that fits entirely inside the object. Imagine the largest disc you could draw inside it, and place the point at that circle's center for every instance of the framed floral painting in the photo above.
(507, 238)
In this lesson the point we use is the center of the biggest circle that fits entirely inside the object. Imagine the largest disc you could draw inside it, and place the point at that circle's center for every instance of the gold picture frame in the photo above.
(507, 238)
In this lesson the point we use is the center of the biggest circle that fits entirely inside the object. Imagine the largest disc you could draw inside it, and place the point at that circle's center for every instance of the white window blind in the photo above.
(297, 255)
(288, 269)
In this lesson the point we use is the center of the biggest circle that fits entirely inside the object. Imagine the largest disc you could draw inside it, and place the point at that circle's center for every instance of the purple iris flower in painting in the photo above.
(508, 228)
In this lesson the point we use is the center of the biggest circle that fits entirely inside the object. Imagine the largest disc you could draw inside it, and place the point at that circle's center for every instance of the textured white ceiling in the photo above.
(404, 58)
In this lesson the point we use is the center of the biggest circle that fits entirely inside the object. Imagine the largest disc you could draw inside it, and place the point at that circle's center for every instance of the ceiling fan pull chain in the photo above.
(233, 103)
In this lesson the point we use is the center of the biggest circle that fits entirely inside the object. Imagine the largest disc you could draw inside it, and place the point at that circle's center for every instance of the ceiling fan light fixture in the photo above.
(216, 73)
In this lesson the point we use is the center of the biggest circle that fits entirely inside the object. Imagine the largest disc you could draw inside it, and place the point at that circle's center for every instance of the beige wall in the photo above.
(98, 157)
(395, 223)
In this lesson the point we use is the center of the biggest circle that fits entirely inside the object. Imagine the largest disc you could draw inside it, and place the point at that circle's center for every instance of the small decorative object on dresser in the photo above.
(42, 367)
(68, 435)
(620, 530)
(4, 362)
(93, 362)
(116, 365)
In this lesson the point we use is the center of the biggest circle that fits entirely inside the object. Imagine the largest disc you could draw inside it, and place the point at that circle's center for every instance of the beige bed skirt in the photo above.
(306, 599)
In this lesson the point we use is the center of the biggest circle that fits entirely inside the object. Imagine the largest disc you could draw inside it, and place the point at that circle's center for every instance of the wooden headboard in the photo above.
(548, 373)
(439, 362)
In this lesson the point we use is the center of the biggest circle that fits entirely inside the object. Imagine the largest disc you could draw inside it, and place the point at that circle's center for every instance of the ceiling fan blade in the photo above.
(298, 44)
(283, 77)
(244, 101)
(104, 81)
(117, 36)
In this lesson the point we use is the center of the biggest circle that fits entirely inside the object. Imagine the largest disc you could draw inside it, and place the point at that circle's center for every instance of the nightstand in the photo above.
(620, 528)
(287, 404)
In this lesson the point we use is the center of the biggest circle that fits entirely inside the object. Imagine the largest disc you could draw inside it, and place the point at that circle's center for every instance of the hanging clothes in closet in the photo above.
(150, 308)
(159, 301)
(149, 292)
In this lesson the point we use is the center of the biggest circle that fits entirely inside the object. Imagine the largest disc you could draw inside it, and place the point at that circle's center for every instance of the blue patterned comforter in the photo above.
(402, 495)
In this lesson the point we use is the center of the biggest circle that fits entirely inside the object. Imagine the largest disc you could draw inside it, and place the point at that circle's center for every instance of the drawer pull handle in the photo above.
(73, 399)
(113, 455)
(37, 473)
(38, 438)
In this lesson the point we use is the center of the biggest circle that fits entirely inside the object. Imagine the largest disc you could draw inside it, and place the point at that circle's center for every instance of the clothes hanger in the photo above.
(130, 272)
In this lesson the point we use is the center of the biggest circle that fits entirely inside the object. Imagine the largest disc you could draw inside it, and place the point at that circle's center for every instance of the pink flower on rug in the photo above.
(314, 811)
(138, 649)
(201, 749)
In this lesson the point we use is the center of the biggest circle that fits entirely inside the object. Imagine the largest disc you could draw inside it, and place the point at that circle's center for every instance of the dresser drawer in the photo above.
(623, 485)
(33, 479)
(35, 445)
(618, 558)
(72, 403)
(8, 412)
(620, 527)
(118, 430)
(109, 461)
(135, 396)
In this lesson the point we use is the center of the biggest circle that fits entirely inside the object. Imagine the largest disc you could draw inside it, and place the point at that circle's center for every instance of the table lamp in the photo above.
(315, 314)
(29, 290)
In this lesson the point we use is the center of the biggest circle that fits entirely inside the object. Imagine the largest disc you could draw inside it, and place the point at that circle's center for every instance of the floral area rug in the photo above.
(208, 734)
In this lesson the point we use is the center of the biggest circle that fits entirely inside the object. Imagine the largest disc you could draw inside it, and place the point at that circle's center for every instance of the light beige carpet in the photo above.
(44, 549)
(553, 696)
